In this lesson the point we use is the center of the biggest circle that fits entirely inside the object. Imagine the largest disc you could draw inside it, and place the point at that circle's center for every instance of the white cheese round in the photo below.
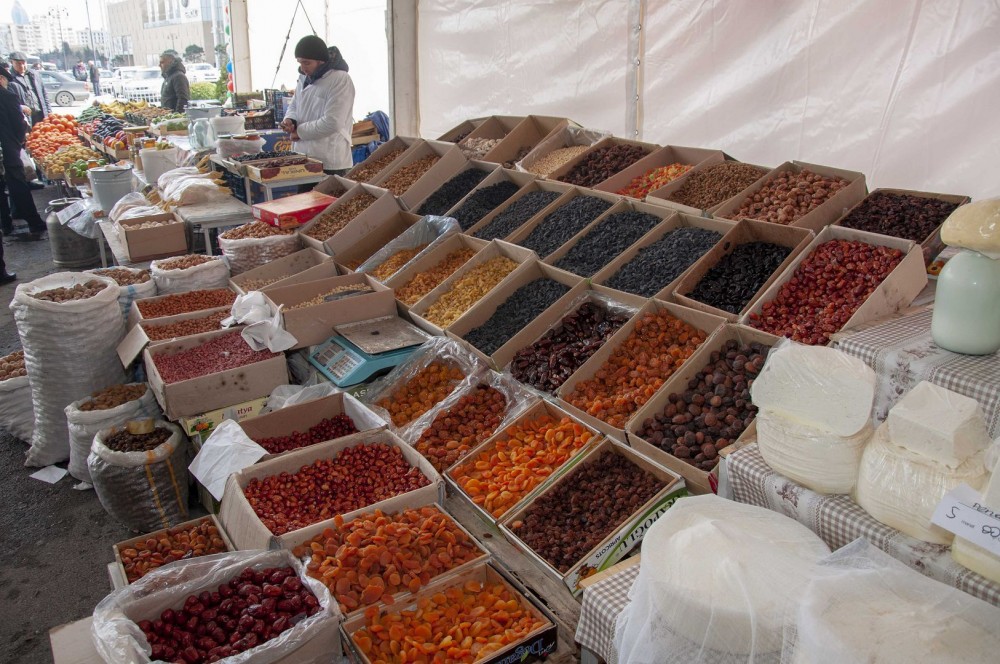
(975, 226)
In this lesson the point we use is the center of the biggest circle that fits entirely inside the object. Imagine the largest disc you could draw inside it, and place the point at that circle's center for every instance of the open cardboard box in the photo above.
(499, 175)
(536, 412)
(670, 224)
(526, 135)
(526, 229)
(622, 538)
(539, 642)
(143, 244)
(463, 129)
(350, 258)
(403, 143)
(697, 480)
(825, 214)
(286, 268)
(314, 324)
(487, 306)
(486, 167)
(451, 161)
(494, 249)
(662, 195)
(215, 390)
(135, 316)
(138, 338)
(707, 323)
(568, 136)
(535, 185)
(248, 532)
(436, 255)
(187, 525)
(745, 232)
(609, 141)
(895, 292)
(383, 206)
(932, 245)
(665, 156)
(333, 185)
(493, 127)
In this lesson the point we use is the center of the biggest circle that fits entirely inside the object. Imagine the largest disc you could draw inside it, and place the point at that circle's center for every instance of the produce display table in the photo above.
(604, 598)
(838, 520)
(267, 187)
(902, 353)
(207, 216)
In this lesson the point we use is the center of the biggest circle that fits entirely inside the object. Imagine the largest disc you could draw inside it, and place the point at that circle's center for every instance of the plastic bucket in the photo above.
(232, 124)
(157, 162)
(110, 184)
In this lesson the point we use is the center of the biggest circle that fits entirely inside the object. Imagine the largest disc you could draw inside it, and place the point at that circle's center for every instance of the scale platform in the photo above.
(360, 351)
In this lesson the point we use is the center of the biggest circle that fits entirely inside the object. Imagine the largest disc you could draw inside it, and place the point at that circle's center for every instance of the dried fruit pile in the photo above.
(182, 303)
(329, 428)
(455, 431)
(114, 396)
(422, 392)
(221, 353)
(158, 549)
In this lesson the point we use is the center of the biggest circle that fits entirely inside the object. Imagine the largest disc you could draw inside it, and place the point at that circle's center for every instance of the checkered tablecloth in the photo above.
(903, 353)
(602, 602)
(838, 520)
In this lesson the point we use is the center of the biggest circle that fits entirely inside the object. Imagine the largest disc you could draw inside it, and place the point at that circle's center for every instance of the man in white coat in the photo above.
(319, 119)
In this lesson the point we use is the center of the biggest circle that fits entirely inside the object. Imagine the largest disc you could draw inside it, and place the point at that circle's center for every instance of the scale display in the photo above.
(362, 350)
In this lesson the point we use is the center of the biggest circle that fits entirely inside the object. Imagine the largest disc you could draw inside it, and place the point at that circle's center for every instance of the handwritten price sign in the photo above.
(962, 512)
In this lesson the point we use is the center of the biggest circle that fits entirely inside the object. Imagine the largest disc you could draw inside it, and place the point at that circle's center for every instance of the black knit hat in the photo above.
(6, 73)
(312, 47)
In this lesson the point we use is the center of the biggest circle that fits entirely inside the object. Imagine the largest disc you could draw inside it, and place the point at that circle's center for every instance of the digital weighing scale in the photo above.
(364, 349)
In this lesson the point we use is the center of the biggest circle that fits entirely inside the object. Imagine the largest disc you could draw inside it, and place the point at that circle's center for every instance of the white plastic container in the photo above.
(157, 162)
(110, 184)
(233, 124)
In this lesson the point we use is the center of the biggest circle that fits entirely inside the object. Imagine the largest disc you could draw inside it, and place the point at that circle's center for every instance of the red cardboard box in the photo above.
(292, 211)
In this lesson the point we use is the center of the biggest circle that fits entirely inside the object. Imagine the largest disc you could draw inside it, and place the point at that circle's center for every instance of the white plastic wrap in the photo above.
(69, 352)
(85, 424)
(717, 585)
(975, 226)
(176, 174)
(430, 230)
(129, 294)
(212, 274)
(863, 606)
(246, 254)
(230, 147)
(972, 555)
(146, 491)
(127, 204)
(16, 413)
(194, 191)
(901, 488)
(119, 640)
(284, 396)
(818, 460)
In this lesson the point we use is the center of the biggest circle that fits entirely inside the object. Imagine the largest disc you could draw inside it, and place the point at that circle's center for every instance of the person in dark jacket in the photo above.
(175, 91)
(13, 130)
(35, 76)
(21, 84)
(95, 77)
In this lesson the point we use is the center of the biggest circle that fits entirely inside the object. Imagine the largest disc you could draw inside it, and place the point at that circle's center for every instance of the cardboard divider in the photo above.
(527, 134)
(707, 323)
(745, 231)
(143, 244)
(623, 538)
(487, 306)
(395, 143)
(895, 292)
(670, 224)
(825, 214)
(292, 265)
(932, 245)
(522, 233)
(137, 339)
(558, 174)
(384, 206)
(662, 195)
(535, 185)
(248, 532)
(388, 230)
(494, 249)
(450, 244)
(314, 324)
(334, 185)
(665, 156)
(496, 126)
(215, 390)
(463, 127)
(135, 316)
(499, 175)
(451, 160)
(141, 539)
(696, 479)
(484, 166)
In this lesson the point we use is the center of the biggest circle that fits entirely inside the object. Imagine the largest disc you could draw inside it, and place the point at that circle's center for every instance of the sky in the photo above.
(77, 10)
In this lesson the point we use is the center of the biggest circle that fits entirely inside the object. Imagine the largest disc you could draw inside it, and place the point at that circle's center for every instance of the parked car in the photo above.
(64, 90)
(201, 72)
(116, 82)
(143, 83)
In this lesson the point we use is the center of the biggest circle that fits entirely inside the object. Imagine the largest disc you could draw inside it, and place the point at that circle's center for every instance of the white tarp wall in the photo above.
(906, 91)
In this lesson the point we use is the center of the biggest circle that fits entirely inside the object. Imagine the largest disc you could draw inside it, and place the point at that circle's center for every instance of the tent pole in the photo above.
(404, 84)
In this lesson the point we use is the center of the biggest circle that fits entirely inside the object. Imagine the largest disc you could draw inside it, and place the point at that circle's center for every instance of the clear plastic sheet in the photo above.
(430, 230)
(145, 491)
(901, 488)
(212, 274)
(718, 586)
(972, 555)
(193, 191)
(975, 226)
(119, 640)
(70, 351)
(129, 294)
(85, 424)
(248, 253)
(284, 396)
(861, 605)
(16, 413)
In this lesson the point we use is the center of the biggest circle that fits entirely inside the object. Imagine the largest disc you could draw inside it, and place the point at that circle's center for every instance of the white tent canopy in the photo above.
(904, 91)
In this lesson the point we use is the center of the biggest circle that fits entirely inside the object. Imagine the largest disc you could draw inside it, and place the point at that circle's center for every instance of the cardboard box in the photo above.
(538, 643)
(519, 178)
(248, 532)
(895, 292)
(524, 230)
(333, 185)
(484, 166)
(403, 143)
(622, 539)
(135, 316)
(558, 174)
(538, 410)
(121, 546)
(313, 325)
(451, 162)
(429, 260)
(277, 173)
(704, 322)
(290, 265)
(462, 129)
(350, 258)
(745, 231)
(825, 214)
(932, 245)
(487, 306)
(385, 206)
(561, 138)
(665, 156)
(697, 480)
(292, 211)
(143, 244)
(662, 195)
(528, 133)
(200, 426)
(535, 185)
(679, 220)
(216, 390)
(492, 250)
(137, 339)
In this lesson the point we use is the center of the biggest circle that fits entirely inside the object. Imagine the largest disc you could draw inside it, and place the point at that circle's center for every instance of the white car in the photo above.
(201, 72)
(143, 83)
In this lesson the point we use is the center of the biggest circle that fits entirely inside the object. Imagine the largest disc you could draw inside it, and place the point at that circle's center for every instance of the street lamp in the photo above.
(57, 13)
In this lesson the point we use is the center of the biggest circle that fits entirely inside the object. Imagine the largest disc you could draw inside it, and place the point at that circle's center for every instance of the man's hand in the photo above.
(294, 135)
(287, 125)
(26, 110)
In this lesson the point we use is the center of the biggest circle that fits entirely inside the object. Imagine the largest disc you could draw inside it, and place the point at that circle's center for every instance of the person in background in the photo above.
(319, 118)
(35, 75)
(80, 71)
(22, 86)
(95, 77)
(13, 129)
(175, 93)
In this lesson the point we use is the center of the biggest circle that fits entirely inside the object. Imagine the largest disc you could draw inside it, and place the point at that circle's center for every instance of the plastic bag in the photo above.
(430, 230)
(70, 351)
(862, 606)
(290, 395)
(85, 424)
(230, 147)
(719, 585)
(975, 226)
(212, 274)
(246, 254)
(119, 640)
(566, 137)
(146, 491)
(263, 324)
(194, 191)
(173, 175)
(16, 413)
(227, 450)
(901, 488)
(129, 294)
(130, 201)
(438, 349)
